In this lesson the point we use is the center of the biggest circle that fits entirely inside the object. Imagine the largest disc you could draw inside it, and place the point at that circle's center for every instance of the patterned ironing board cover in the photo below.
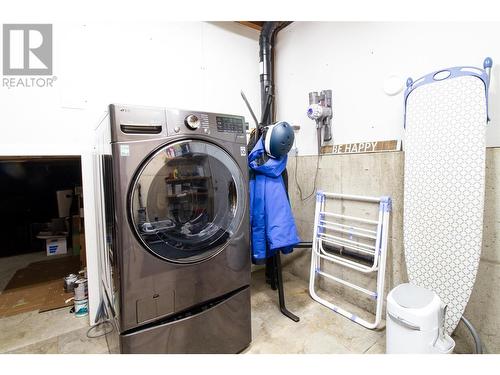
(444, 171)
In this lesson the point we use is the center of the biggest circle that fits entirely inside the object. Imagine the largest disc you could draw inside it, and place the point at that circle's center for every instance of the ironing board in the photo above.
(444, 144)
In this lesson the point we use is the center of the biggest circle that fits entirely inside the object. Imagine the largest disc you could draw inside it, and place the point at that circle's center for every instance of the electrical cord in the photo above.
(301, 195)
(97, 326)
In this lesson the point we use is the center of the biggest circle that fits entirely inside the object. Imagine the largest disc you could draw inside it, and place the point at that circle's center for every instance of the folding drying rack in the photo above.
(352, 246)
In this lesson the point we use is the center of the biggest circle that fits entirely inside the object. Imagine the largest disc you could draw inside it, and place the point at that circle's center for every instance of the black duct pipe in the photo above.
(368, 259)
(266, 61)
(354, 255)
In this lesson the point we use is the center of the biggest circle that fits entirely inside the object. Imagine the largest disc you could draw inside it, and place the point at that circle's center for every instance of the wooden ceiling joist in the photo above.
(256, 25)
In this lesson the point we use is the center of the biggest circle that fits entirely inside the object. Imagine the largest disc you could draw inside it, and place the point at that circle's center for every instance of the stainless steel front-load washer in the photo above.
(174, 248)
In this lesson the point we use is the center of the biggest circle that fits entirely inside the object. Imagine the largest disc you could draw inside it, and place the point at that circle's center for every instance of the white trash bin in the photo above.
(415, 322)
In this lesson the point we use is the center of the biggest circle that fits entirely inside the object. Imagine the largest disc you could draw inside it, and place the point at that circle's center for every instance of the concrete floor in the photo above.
(56, 331)
(319, 330)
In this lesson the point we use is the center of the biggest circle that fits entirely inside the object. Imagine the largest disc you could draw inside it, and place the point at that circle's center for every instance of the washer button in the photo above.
(177, 129)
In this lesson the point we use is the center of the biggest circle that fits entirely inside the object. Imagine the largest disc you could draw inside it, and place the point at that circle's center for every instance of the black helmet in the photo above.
(278, 139)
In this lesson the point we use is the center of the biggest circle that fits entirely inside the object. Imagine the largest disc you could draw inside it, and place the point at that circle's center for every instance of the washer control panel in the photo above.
(223, 127)
(228, 124)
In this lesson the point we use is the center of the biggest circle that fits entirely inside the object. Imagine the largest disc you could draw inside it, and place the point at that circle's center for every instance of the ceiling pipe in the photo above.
(266, 65)
(266, 62)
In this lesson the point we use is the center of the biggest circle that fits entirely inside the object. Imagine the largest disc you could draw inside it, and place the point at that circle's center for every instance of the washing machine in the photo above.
(172, 198)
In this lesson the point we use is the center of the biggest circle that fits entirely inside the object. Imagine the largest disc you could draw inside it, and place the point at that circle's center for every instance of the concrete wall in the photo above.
(382, 174)
(354, 59)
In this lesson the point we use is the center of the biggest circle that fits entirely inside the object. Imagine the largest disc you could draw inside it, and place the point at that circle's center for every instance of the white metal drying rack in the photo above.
(330, 228)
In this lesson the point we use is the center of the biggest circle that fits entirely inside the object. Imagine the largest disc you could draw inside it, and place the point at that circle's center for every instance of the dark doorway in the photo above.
(41, 231)
(28, 199)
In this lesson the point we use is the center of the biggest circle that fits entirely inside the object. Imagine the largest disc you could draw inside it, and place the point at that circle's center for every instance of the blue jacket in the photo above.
(271, 219)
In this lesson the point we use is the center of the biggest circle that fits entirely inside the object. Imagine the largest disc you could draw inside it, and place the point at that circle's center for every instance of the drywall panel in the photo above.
(355, 59)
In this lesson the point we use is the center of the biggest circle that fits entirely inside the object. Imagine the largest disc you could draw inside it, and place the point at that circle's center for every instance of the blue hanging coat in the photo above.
(271, 219)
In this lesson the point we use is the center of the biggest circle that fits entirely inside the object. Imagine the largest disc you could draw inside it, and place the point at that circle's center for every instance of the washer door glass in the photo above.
(187, 201)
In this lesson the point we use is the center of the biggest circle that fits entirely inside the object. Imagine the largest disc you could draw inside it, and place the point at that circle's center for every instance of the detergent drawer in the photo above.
(222, 327)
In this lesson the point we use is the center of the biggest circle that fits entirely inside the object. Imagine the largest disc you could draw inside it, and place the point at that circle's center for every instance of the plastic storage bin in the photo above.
(415, 322)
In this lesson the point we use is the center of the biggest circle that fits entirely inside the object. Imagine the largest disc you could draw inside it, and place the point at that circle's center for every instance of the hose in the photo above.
(475, 335)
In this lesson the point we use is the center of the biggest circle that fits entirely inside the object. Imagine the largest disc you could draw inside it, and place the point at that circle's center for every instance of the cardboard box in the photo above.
(56, 246)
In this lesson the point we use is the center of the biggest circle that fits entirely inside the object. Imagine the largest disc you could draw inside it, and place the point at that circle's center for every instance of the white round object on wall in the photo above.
(393, 85)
